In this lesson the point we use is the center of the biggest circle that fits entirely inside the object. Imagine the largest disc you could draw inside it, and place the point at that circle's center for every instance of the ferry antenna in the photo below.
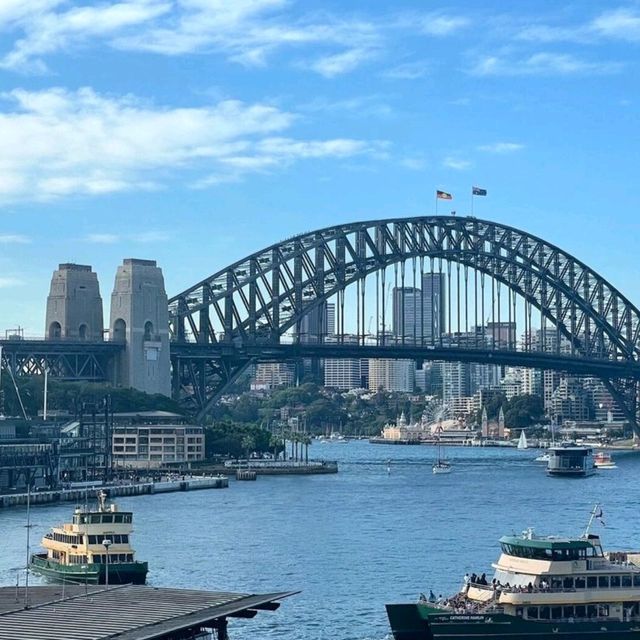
(594, 511)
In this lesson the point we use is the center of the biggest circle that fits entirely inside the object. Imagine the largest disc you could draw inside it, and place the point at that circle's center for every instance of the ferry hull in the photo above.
(119, 573)
(423, 622)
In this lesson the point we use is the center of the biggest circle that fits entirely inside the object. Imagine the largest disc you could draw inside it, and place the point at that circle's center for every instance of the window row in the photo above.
(115, 539)
(101, 558)
(567, 612)
(595, 582)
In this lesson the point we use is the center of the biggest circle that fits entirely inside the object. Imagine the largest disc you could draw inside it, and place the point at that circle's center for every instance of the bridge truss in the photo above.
(439, 288)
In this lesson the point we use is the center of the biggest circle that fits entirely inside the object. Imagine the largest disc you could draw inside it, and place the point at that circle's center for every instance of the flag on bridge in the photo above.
(477, 191)
(443, 195)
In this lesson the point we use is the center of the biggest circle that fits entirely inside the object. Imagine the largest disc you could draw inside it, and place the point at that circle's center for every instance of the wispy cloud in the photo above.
(407, 71)
(414, 163)
(623, 23)
(441, 24)
(10, 238)
(501, 147)
(8, 281)
(58, 143)
(543, 63)
(102, 238)
(340, 63)
(456, 163)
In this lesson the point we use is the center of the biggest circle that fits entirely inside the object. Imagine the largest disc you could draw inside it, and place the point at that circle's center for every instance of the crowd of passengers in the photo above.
(497, 586)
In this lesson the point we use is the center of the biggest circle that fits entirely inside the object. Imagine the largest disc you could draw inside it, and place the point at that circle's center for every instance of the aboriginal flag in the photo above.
(477, 191)
(443, 195)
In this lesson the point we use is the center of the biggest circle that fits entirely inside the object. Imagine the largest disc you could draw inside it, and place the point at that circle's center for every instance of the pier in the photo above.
(127, 612)
(137, 489)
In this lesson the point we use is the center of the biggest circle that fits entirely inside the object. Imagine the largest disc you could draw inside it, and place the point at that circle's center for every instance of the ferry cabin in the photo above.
(570, 461)
(555, 579)
(81, 541)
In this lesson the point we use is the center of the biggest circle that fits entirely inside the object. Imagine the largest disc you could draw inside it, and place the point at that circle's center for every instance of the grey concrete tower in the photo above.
(140, 318)
(74, 305)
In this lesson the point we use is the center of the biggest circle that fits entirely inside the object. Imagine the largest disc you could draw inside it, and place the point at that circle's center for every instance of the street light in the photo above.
(106, 543)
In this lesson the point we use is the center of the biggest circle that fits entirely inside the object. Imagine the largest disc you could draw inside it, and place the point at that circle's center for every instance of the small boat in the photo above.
(544, 587)
(603, 460)
(95, 548)
(544, 457)
(522, 442)
(442, 465)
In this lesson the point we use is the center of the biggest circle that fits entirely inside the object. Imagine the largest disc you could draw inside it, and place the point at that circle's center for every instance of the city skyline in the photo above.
(140, 128)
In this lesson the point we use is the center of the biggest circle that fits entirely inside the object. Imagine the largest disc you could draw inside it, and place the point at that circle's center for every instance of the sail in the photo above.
(522, 443)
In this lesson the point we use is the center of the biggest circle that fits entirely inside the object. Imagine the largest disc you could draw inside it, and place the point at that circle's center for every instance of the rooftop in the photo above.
(126, 612)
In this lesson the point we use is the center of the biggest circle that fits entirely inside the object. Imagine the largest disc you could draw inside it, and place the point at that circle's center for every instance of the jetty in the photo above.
(78, 495)
(126, 612)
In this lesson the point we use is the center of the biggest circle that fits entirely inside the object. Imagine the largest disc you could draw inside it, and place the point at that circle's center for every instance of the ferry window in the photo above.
(615, 581)
(544, 613)
(581, 611)
(580, 582)
(519, 612)
(603, 610)
(107, 517)
(125, 539)
(95, 519)
(556, 613)
(567, 612)
(127, 518)
(532, 613)
(567, 583)
(118, 517)
(636, 579)
(592, 611)
(592, 582)
(556, 582)
(603, 582)
(93, 539)
(129, 557)
(626, 581)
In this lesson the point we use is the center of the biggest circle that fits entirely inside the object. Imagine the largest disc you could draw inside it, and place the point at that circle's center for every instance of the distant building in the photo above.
(271, 375)
(391, 375)
(151, 439)
(344, 374)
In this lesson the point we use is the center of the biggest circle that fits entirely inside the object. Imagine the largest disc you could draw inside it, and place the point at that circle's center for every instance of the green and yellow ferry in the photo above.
(542, 588)
(94, 548)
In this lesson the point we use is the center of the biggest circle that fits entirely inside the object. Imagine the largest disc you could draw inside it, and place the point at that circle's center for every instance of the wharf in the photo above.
(125, 612)
(115, 490)
(276, 467)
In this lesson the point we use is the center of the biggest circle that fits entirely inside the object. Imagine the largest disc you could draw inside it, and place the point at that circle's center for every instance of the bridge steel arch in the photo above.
(239, 314)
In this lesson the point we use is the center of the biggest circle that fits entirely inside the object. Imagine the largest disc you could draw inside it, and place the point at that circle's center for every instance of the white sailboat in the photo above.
(522, 442)
(442, 465)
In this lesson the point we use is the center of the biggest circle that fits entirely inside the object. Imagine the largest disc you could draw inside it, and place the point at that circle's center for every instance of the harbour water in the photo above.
(355, 540)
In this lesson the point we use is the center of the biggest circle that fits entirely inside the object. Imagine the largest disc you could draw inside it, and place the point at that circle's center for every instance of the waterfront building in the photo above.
(391, 375)
(151, 439)
(344, 374)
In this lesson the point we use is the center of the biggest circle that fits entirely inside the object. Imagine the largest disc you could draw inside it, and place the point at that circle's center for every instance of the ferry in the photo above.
(542, 588)
(570, 461)
(94, 548)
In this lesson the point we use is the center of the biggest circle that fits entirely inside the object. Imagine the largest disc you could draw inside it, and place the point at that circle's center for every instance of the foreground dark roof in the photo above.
(126, 612)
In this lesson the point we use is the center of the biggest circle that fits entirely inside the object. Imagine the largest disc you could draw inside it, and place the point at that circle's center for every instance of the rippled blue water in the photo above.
(353, 541)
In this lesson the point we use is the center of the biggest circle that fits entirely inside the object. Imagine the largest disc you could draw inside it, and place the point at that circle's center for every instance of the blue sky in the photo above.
(194, 132)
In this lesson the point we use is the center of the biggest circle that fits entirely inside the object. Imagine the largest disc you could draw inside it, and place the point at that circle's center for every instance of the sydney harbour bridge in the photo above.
(504, 297)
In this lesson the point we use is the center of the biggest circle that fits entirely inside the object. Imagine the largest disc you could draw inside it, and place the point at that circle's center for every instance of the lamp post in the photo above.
(106, 543)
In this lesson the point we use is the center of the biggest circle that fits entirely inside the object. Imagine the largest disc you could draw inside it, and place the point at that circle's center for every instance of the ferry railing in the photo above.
(524, 590)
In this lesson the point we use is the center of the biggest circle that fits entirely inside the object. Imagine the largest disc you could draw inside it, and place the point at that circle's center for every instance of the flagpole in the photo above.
(472, 201)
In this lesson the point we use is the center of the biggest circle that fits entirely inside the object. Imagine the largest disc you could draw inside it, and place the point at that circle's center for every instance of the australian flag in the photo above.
(477, 191)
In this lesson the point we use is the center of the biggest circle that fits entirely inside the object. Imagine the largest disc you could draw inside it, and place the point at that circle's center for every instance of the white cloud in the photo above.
(620, 23)
(414, 163)
(10, 238)
(58, 143)
(542, 63)
(407, 71)
(439, 24)
(50, 31)
(341, 63)
(8, 281)
(455, 163)
(501, 147)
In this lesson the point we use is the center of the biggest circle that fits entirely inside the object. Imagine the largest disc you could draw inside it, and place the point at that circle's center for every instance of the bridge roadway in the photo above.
(69, 359)
(283, 352)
